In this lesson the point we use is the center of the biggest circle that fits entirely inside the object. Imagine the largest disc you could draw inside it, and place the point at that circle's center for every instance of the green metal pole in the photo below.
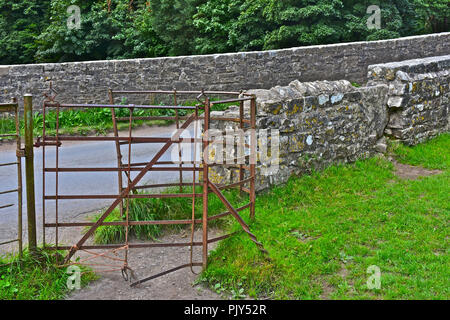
(29, 172)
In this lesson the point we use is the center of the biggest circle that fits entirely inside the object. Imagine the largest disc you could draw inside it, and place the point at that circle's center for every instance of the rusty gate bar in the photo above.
(155, 164)
(253, 144)
(241, 126)
(122, 139)
(126, 191)
(149, 245)
(177, 121)
(205, 178)
(13, 107)
(119, 106)
(118, 152)
(142, 223)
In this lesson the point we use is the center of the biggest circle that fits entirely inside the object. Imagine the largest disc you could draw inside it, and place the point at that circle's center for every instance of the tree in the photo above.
(304, 22)
(94, 40)
(172, 21)
(250, 28)
(233, 25)
(109, 30)
(432, 16)
(140, 38)
(36, 30)
(213, 22)
(395, 18)
(21, 21)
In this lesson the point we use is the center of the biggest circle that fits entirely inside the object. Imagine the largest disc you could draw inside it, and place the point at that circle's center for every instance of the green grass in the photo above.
(433, 154)
(324, 230)
(36, 278)
(161, 209)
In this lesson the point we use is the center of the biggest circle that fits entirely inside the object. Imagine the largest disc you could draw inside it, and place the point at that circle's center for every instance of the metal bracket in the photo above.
(40, 143)
(48, 95)
(20, 152)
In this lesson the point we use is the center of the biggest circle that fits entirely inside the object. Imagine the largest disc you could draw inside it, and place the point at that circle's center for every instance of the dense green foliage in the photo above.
(117, 32)
(21, 22)
(36, 30)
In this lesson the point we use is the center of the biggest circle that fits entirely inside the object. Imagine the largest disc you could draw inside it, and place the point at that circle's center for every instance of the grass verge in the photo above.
(324, 231)
(433, 154)
(36, 278)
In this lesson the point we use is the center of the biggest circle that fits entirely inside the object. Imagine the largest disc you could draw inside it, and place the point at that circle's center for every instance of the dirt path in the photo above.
(146, 262)
(406, 171)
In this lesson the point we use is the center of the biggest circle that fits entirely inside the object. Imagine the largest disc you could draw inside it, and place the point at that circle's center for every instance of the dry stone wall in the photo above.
(319, 123)
(419, 97)
(88, 82)
(327, 122)
(321, 118)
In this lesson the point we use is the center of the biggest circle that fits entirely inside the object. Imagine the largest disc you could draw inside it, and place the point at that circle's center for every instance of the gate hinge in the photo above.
(20, 153)
(40, 143)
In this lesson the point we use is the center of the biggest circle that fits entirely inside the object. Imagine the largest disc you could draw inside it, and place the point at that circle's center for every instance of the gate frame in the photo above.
(144, 168)
(13, 107)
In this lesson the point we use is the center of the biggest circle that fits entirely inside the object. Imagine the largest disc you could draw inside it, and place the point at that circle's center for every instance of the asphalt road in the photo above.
(77, 154)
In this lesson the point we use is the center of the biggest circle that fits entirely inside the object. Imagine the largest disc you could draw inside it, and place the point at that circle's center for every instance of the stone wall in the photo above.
(327, 122)
(319, 123)
(419, 97)
(87, 82)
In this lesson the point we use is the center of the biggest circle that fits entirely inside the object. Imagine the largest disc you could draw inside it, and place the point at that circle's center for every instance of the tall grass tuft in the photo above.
(161, 209)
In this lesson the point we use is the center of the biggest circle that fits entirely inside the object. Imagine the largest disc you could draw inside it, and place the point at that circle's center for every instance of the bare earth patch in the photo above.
(146, 262)
(408, 172)
(327, 290)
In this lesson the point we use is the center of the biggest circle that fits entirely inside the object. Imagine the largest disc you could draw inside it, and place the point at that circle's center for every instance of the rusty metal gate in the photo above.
(199, 116)
(7, 109)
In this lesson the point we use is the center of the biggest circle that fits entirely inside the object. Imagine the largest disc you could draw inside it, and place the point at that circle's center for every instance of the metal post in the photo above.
(241, 127)
(205, 184)
(177, 120)
(57, 179)
(118, 151)
(29, 172)
(43, 173)
(19, 180)
(253, 157)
